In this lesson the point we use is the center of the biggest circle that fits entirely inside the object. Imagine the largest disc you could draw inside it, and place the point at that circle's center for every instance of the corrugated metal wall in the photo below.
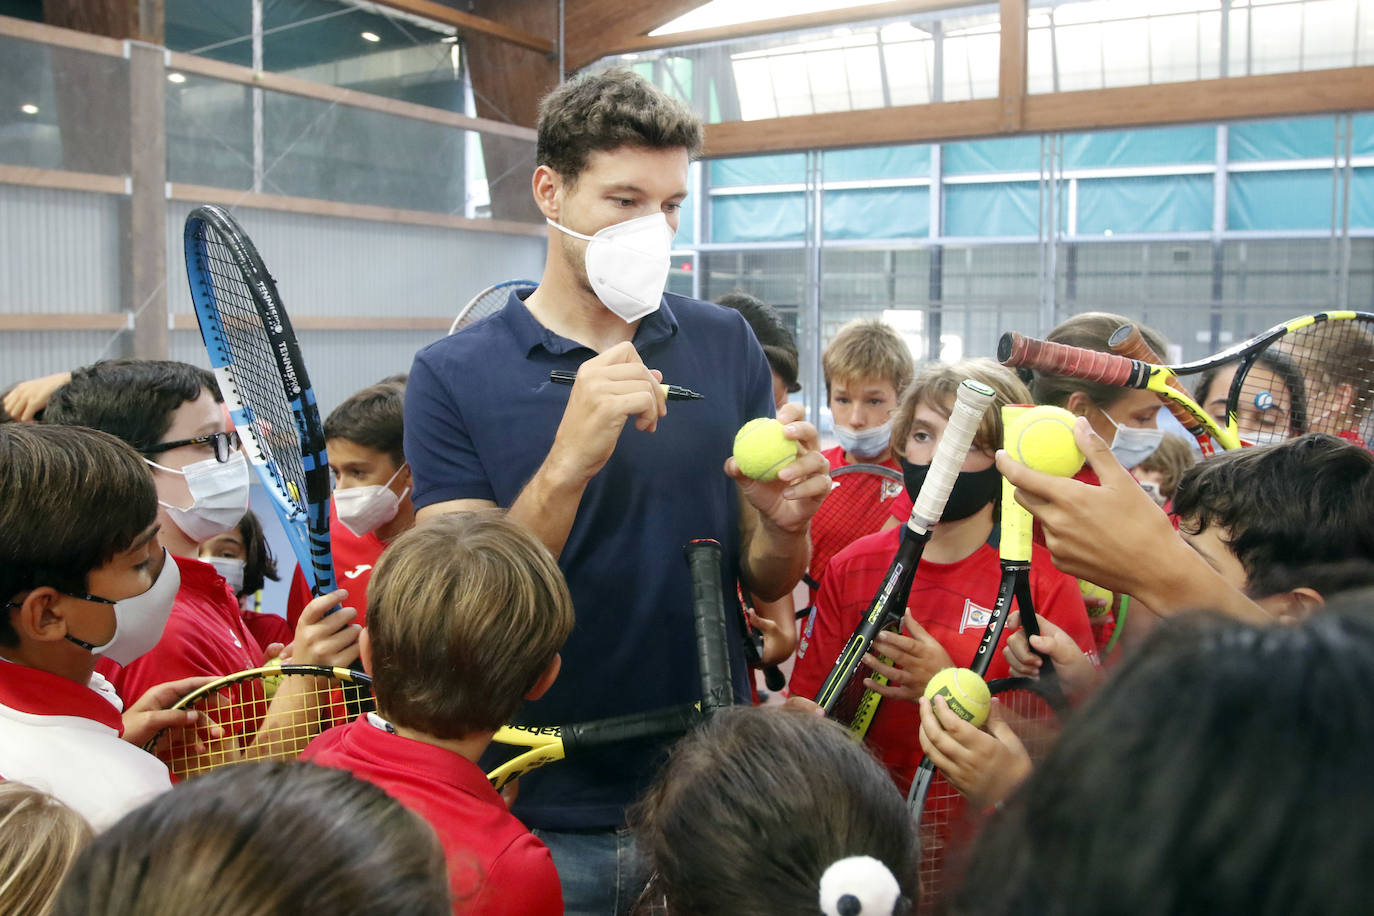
(63, 249)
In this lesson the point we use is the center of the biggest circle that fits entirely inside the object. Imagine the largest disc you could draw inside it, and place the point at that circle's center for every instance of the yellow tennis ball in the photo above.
(965, 692)
(1042, 438)
(1089, 590)
(762, 449)
(271, 682)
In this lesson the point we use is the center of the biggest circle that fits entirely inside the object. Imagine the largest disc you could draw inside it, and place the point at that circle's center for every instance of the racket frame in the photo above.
(304, 516)
(461, 320)
(888, 605)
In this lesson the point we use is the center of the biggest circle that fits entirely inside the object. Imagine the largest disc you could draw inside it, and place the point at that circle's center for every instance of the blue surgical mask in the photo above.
(1132, 444)
(866, 444)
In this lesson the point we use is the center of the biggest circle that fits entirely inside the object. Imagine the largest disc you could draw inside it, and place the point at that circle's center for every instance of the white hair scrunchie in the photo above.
(859, 886)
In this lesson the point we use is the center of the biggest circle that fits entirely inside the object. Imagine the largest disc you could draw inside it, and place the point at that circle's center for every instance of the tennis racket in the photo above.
(268, 713)
(488, 302)
(859, 503)
(257, 362)
(946, 825)
(1127, 341)
(842, 694)
(547, 744)
(1014, 549)
(1330, 390)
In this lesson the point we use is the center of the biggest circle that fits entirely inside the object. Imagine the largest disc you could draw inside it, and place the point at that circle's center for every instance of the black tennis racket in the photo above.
(547, 744)
(843, 695)
(1313, 373)
(257, 361)
(946, 824)
(488, 302)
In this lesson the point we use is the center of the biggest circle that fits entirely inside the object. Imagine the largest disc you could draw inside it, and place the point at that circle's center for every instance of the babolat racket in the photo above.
(551, 743)
(268, 713)
(488, 302)
(1127, 341)
(1332, 352)
(859, 503)
(257, 361)
(843, 695)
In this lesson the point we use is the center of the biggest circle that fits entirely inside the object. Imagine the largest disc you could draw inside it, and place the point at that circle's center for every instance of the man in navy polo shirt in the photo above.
(615, 501)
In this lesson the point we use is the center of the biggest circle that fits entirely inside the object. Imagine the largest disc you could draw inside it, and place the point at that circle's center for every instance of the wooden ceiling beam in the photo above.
(593, 28)
(468, 23)
(1229, 99)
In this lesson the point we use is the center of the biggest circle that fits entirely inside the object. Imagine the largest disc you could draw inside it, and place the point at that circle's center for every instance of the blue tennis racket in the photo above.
(257, 361)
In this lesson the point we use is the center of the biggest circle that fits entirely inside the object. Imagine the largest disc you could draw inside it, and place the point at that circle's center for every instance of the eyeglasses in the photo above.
(224, 444)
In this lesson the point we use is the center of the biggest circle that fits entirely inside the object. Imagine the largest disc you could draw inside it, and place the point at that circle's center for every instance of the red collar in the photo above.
(42, 693)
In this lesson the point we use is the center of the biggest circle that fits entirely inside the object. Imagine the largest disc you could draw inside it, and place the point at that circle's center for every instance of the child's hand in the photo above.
(915, 659)
(323, 638)
(1077, 673)
(985, 766)
(151, 713)
(778, 642)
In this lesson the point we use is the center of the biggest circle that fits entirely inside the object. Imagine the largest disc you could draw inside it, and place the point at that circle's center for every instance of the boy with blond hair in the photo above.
(467, 616)
(867, 366)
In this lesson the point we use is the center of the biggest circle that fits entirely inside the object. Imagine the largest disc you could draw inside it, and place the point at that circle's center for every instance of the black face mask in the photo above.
(972, 489)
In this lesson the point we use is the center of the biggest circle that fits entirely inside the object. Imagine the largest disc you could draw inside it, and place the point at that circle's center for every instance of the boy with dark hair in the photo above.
(365, 438)
(170, 412)
(1289, 525)
(614, 501)
(468, 615)
(82, 578)
(779, 346)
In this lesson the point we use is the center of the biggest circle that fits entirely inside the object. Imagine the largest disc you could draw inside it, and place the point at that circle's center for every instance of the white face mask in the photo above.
(1149, 486)
(1132, 444)
(219, 496)
(363, 510)
(865, 443)
(627, 263)
(231, 569)
(138, 620)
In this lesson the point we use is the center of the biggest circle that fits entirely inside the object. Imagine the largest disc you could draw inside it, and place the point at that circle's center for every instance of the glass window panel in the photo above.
(209, 133)
(754, 82)
(791, 84)
(1328, 36)
(909, 66)
(971, 66)
(1125, 54)
(864, 70)
(826, 72)
(1275, 39)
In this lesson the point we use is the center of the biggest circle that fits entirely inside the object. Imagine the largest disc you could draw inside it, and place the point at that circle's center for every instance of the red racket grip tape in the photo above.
(1075, 362)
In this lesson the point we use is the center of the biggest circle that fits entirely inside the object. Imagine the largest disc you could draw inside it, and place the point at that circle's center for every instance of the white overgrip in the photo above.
(970, 403)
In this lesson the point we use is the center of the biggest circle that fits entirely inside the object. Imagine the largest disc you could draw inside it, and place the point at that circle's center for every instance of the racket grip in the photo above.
(1127, 341)
(970, 403)
(1017, 350)
(773, 678)
(708, 616)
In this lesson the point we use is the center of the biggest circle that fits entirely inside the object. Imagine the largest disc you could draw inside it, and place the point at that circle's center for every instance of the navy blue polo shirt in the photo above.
(481, 415)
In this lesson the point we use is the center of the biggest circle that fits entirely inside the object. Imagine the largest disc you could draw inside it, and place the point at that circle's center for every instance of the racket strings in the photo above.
(1316, 379)
(260, 717)
(948, 826)
(858, 504)
(256, 375)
